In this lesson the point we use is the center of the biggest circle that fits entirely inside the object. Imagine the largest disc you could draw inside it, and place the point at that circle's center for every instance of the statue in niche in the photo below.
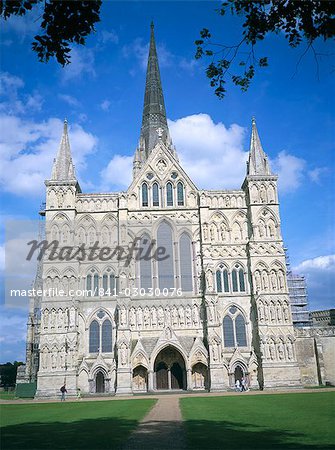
(132, 318)
(280, 350)
(211, 312)
(188, 316)
(174, 316)
(60, 198)
(262, 194)
(272, 350)
(261, 228)
(271, 193)
(286, 312)
(215, 350)
(139, 317)
(272, 229)
(53, 360)
(254, 194)
(266, 313)
(273, 281)
(205, 231)
(123, 354)
(223, 232)
(160, 316)
(195, 314)
(72, 319)
(209, 280)
(53, 319)
(146, 316)
(44, 362)
(281, 281)
(212, 232)
(289, 349)
(258, 281)
(123, 316)
(265, 280)
(272, 312)
(167, 316)
(45, 319)
(279, 312)
(263, 349)
(60, 318)
(153, 316)
(261, 311)
(181, 314)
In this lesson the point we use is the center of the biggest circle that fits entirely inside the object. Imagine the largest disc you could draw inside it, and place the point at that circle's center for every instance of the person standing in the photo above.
(63, 391)
(237, 386)
(243, 389)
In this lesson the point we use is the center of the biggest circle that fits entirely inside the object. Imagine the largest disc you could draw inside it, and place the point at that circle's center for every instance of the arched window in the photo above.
(185, 252)
(222, 281)
(155, 195)
(241, 337)
(94, 338)
(96, 284)
(180, 194)
(145, 264)
(241, 280)
(218, 281)
(238, 280)
(234, 329)
(105, 283)
(145, 194)
(112, 283)
(106, 336)
(234, 280)
(165, 266)
(225, 280)
(89, 285)
(228, 332)
(169, 194)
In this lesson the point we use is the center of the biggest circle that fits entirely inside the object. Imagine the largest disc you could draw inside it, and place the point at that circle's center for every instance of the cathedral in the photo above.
(201, 303)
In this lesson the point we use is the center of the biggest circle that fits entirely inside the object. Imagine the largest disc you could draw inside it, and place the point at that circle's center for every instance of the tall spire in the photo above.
(154, 123)
(63, 169)
(258, 161)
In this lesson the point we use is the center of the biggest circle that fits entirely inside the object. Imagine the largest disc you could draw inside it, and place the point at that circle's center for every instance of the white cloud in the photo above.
(69, 99)
(13, 103)
(320, 278)
(316, 174)
(211, 153)
(290, 170)
(140, 51)
(109, 36)
(105, 105)
(82, 63)
(118, 173)
(28, 148)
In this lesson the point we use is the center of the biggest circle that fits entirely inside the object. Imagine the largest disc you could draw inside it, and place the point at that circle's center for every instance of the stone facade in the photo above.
(216, 310)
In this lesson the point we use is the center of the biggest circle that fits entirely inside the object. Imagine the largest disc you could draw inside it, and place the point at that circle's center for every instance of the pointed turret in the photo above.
(258, 162)
(154, 122)
(63, 168)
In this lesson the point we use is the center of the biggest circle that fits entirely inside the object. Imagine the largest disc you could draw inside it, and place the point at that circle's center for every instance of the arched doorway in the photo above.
(140, 377)
(200, 376)
(169, 368)
(100, 383)
(238, 373)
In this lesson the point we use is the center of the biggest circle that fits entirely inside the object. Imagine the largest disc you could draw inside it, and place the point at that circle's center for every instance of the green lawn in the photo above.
(7, 395)
(281, 421)
(71, 426)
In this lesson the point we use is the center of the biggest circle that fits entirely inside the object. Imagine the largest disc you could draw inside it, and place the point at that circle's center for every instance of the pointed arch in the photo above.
(185, 257)
(155, 194)
(145, 263)
(169, 194)
(106, 336)
(144, 194)
(94, 337)
(166, 273)
(180, 194)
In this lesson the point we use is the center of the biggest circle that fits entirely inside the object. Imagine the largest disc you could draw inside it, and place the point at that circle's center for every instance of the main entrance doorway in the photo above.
(170, 372)
(100, 383)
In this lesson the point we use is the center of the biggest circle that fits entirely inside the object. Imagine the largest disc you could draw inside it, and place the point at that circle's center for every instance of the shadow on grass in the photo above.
(208, 434)
(114, 433)
(102, 433)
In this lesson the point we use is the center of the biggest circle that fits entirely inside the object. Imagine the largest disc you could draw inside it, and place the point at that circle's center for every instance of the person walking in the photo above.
(237, 386)
(63, 391)
(243, 389)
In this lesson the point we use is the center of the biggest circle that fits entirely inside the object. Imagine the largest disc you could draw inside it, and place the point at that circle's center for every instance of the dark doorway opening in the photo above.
(100, 383)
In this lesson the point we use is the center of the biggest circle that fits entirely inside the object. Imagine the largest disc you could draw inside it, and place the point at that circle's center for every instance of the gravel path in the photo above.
(161, 428)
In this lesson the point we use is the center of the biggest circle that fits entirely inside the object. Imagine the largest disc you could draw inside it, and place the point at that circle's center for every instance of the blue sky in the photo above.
(101, 95)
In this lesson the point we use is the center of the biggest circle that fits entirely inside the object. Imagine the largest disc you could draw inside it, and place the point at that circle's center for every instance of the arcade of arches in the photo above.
(170, 373)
